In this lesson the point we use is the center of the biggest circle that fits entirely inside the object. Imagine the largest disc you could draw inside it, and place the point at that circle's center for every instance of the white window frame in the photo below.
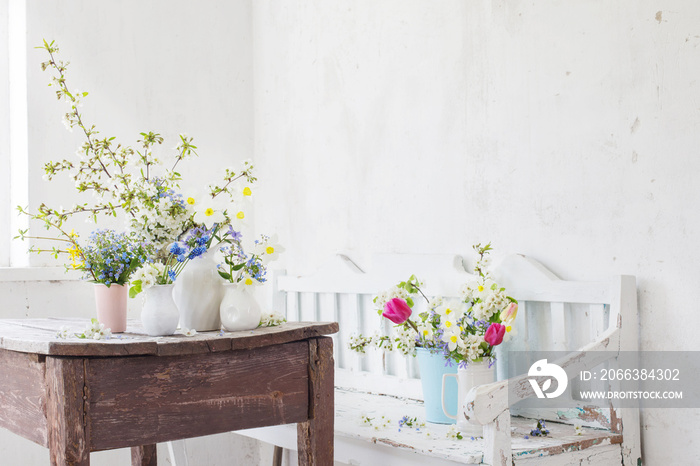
(14, 186)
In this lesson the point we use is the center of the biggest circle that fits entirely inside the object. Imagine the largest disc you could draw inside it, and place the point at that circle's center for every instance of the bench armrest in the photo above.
(483, 404)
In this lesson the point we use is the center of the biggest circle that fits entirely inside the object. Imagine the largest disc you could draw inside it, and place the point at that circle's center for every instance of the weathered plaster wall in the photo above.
(562, 130)
(164, 66)
(167, 67)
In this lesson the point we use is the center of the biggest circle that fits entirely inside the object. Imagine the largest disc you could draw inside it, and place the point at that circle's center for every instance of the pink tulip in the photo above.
(494, 334)
(509, 313)
(397, 311)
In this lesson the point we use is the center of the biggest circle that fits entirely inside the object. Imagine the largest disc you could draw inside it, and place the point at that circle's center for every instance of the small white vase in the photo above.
(159, 315)
(239, 309)
(475, 374)
(198, 292)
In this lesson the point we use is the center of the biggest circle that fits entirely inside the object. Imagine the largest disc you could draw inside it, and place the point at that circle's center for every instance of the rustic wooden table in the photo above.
(76, 396)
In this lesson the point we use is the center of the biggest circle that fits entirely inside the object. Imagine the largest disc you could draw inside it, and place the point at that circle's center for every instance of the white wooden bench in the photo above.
(553, 314)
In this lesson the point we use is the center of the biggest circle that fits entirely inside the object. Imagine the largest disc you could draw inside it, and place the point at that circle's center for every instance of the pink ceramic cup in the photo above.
(111, 306)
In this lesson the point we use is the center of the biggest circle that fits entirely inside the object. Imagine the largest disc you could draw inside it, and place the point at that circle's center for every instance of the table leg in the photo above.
(66, 412)
(315, 436)
(144, 455)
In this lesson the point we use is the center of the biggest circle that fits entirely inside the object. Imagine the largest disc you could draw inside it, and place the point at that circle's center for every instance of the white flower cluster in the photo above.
(97, 331)
(405, 339)
(158, 219)
(471, 346)
(453, 433)
(360, 343)
(94, 331)
(148, 273)
(486, 297)
(376, 424)
(271, 319)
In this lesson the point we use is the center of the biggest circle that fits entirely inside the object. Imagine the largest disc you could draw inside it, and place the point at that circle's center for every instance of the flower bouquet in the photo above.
(109, 259)
(243, 271)
(463, 330)
(142, 188)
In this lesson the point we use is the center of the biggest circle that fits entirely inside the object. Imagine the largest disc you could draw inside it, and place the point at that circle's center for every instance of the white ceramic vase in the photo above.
(475, 374)
(159, 315)
(239, 309)
(198, 292)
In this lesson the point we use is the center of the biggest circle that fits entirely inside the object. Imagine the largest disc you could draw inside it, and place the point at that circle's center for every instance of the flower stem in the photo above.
(413, 325)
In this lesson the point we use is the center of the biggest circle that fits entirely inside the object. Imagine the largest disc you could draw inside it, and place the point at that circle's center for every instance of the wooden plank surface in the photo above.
(23, 395)
(39, 336)
(145, 400)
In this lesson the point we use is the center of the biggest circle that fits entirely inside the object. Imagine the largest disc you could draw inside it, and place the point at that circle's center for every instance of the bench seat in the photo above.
(430, 445)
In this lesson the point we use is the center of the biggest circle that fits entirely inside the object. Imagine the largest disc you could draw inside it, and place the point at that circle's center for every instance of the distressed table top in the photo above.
(39, 336)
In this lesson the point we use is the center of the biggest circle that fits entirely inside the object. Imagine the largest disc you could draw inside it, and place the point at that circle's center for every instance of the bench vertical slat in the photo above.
(373, 360)
(538, 326)
(327, 311)
(558, 327)
(596, 320)
(523, 325)
(292, 306)
(349, 323)
(308, 307)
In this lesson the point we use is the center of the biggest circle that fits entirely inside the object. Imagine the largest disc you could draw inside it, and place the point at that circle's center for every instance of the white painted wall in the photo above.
(567, 131)
(563, 130)
(169, 66)
(165, 66)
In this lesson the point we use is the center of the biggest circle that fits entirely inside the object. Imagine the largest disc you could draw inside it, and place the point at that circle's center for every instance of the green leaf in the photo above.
(135, 288)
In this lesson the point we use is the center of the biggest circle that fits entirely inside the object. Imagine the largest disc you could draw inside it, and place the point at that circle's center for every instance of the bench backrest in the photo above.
(553, 314)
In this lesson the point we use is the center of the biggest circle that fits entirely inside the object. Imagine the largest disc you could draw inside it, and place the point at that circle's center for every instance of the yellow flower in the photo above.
(74, 253)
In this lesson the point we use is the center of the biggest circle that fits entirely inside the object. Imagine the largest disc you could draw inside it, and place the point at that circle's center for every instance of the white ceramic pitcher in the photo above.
(475, 374)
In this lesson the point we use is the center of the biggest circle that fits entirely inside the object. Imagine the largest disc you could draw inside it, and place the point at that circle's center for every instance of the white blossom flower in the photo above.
(452, 336)
(453, 433)
(63, 332)
(247, 281)
(268, 249)
(425, 330)
(208, 212)
(271, 319)
(450, 310)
